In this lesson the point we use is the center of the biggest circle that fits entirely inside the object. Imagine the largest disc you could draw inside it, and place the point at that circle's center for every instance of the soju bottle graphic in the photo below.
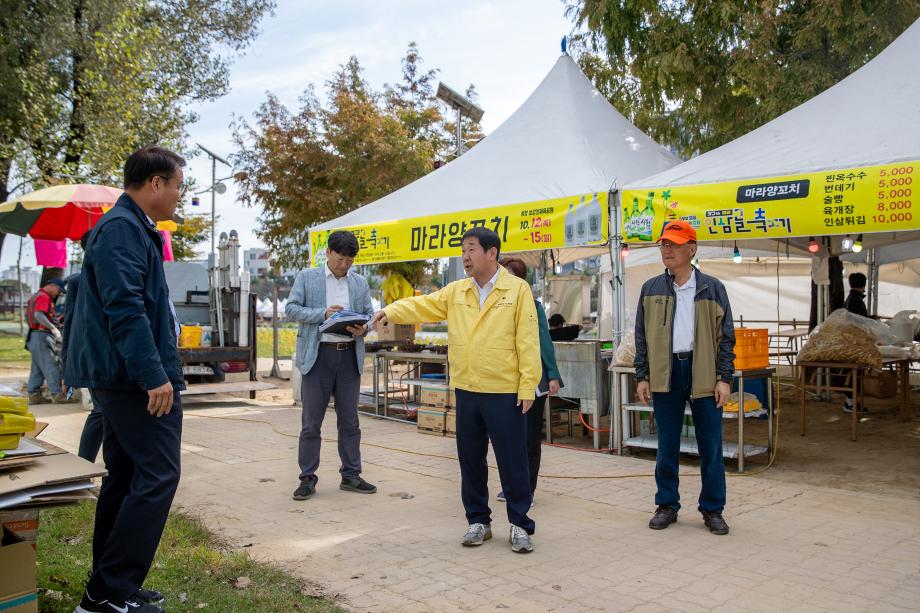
(648, 219)
(632, 231)
(581, 223)
(569, 224)
(627, 222)
(595, 218)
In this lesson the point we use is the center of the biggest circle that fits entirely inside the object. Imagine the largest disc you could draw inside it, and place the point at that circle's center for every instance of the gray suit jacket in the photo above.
(307, 305)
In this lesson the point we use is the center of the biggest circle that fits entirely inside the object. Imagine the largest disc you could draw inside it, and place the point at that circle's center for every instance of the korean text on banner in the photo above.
(549, 224)
(849, 201)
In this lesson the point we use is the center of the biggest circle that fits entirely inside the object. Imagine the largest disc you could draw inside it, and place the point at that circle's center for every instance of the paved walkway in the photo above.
(792, 548)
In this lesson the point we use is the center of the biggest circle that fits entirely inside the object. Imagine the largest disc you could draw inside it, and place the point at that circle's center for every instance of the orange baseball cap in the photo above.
(678, 231)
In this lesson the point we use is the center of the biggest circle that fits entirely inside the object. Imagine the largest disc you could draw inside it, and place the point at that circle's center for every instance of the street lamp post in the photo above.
(214, 189)
(463, 106)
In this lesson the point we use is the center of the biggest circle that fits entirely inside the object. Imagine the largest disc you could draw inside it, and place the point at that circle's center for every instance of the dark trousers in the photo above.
(535, 421)
(669, 420)
(91, 437)
(496, 417)
(335, 373)
(142, 459)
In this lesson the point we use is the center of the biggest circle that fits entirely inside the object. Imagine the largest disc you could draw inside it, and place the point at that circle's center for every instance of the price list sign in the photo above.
(846, 201)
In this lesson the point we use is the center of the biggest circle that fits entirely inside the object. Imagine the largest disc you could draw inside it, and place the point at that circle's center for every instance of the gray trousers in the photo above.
(335, 373)
(44, 365)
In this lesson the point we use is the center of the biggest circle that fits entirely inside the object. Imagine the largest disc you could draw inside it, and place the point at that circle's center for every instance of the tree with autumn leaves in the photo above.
(327, 158)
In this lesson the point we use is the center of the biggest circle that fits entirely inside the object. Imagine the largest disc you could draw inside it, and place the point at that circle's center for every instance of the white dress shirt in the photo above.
(337, 294)
(684, 320)
(486, 289)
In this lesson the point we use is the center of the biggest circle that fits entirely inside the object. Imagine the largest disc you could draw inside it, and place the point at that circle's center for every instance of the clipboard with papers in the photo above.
(339, 322)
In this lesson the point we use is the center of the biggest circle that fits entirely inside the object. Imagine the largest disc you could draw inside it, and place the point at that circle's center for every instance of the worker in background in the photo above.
(856, 301)
(856, 304)
(550, 382)
(41, 341)
(330, 364)
(685, 342)
(91, 437)
(125, 351)
(494, 355)
(556, 321)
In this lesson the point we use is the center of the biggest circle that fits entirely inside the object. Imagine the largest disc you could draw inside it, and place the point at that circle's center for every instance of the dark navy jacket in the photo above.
(122, 336)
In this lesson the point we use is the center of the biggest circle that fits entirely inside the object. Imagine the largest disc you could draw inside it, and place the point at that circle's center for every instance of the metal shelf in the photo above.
(688, 445)
(641, 408)
(438, 383)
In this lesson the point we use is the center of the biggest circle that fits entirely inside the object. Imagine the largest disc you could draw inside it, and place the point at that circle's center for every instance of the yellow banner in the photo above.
(849, 201)
(549, 224)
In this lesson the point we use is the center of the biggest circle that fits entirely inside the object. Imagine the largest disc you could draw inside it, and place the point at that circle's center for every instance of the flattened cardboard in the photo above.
(49, 470)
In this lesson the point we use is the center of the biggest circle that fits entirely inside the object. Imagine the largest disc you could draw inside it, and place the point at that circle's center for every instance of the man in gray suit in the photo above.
(331, 364)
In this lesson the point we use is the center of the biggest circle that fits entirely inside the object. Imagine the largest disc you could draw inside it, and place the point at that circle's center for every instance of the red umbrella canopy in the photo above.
(57, 212)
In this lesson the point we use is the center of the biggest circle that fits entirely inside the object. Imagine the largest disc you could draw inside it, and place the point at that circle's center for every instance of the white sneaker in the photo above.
(521, 542)
(476, 535)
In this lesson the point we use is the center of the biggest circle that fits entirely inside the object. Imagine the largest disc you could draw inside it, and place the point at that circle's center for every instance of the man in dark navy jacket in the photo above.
(125, 351)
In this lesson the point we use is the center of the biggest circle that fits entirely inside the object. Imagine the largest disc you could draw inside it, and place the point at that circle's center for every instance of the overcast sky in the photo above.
(504, 47)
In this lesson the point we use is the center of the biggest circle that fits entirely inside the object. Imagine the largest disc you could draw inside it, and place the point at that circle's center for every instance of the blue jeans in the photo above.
(44, 365)
(669, 420)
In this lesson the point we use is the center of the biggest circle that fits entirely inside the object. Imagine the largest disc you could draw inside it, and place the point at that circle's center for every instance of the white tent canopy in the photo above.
(871, 117)
(565, 139)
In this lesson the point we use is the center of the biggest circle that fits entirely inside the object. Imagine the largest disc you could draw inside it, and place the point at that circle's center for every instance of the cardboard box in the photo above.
(395, 332)
(434, 397)
(881, 384)
(450, 423)
(431, 420)
(22, 523)
(18, 592)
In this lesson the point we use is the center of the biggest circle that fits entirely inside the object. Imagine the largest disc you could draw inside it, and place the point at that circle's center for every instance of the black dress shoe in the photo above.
(664, 517)
(306, 489)
(357, 484)
(715, 522)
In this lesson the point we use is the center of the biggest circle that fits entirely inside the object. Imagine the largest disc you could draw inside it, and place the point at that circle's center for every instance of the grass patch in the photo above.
(13, 351)
(189, 562)
(287, 339)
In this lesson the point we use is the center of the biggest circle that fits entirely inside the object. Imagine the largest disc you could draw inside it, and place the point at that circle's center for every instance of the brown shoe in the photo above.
(61, 398)
(37, 398)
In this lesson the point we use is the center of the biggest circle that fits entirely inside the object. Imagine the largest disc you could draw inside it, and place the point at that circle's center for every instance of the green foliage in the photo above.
(321, 161)
(696, 75)
(416, 273)
(86, 82)
(194, 230)
(191, 568)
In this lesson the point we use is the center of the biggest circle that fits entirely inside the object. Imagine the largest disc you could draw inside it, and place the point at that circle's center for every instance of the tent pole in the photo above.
(873, 281)
(619, 308)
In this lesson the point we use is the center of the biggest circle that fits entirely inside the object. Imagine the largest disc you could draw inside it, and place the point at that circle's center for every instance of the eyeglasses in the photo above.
(182, 186)
(669, 245)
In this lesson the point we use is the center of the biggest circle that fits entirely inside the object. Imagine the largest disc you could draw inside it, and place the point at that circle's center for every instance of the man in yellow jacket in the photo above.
(494, 354)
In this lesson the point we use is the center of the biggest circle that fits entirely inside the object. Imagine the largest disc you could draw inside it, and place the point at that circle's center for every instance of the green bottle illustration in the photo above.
(648, 219)
(627, 223)
(634, 222)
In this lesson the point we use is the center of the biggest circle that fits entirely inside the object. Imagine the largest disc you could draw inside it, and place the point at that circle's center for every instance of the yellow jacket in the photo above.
(495, 350)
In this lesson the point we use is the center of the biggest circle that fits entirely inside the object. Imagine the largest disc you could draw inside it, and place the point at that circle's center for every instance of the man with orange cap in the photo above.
(685, 344)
